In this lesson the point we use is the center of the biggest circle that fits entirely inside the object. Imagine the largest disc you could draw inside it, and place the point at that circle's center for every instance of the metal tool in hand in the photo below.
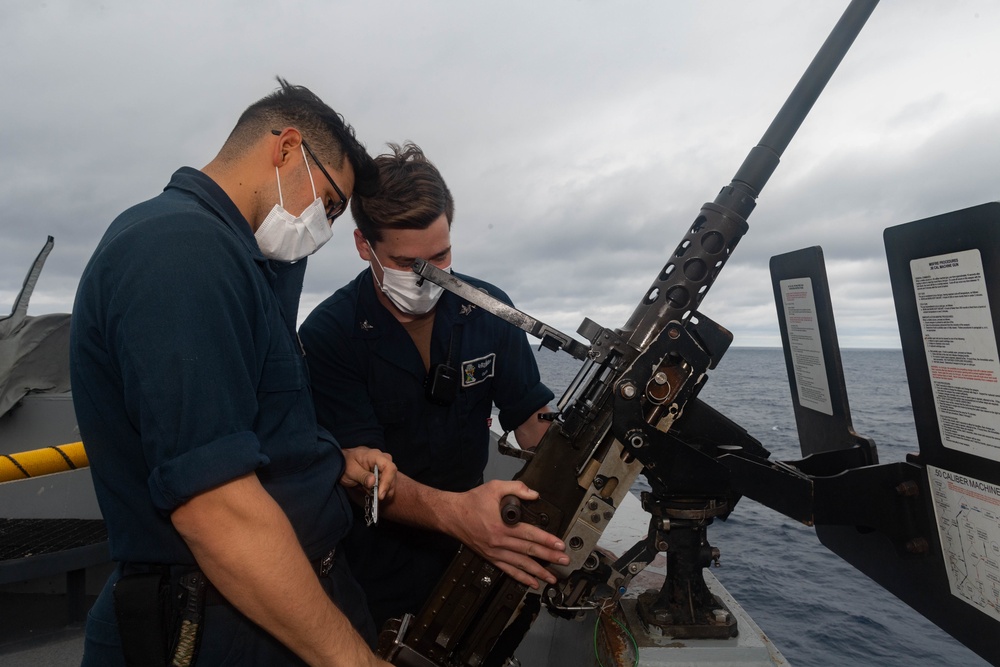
(371, 502)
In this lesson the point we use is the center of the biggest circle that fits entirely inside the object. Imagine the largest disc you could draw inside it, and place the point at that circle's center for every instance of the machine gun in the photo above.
(632, 409)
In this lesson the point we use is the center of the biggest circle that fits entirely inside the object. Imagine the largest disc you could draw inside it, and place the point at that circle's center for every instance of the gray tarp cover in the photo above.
(34, 351)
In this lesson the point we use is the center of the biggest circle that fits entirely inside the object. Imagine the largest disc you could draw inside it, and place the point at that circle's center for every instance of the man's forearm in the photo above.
(530, 433)
(417, 504)
(423, 506)
(247, 548)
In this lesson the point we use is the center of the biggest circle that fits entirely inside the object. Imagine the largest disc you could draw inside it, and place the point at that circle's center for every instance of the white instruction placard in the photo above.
(961, 349)
(805, 344)
(967, 511)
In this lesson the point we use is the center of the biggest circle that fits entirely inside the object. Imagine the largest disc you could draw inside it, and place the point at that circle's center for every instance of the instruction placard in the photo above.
(805, 344)
(968, 519)
(961, 350)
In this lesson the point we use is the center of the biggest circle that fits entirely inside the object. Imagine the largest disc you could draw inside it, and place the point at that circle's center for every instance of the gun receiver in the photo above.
(632, 409)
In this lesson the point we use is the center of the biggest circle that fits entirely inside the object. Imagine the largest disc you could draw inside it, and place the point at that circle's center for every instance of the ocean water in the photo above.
(818, 610)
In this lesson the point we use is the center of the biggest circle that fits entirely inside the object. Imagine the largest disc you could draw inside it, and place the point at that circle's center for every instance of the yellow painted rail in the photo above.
(38, 462)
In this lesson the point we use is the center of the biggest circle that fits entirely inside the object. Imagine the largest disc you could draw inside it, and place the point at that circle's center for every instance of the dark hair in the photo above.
(325, 130)
(411, 194)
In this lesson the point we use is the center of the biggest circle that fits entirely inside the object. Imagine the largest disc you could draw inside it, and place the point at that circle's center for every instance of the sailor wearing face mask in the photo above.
(399, 365)
(219, 492)
(405, 289)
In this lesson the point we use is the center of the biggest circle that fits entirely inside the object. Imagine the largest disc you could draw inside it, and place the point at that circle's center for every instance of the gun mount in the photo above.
(632, 409)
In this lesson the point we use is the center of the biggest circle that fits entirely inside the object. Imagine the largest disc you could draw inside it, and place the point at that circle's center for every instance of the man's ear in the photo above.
(286, 144)
(364, 250)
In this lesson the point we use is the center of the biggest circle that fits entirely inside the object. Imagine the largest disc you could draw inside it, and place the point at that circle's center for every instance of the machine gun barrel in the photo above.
(684, 281)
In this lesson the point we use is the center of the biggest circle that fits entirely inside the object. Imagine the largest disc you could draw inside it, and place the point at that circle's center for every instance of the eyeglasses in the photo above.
(333, 209)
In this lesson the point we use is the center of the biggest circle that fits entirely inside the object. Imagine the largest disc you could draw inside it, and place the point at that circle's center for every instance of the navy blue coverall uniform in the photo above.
(368, 385)
(187, 374)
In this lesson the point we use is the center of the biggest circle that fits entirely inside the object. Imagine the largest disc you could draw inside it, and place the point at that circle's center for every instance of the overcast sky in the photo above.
(580, 138)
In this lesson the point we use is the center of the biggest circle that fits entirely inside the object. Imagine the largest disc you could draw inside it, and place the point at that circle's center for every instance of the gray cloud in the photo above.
(579, 139)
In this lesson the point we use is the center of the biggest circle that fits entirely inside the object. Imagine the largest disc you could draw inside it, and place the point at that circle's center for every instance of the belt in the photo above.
(321, 566)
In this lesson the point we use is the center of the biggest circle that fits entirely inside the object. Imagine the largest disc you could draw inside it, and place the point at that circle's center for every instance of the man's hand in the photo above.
(358, 471)
(476, 522)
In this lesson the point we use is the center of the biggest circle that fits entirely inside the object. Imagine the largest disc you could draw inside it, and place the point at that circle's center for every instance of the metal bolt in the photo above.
(633, 568)
(628, 390)
(595, 518)
(660, 378)
(486, 581)
(721, 616)
(592, 505)
(662, 545)
(663, 617)
(673, 333)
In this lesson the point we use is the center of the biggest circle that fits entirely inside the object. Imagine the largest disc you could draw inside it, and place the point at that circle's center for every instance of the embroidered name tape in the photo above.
(478, 370)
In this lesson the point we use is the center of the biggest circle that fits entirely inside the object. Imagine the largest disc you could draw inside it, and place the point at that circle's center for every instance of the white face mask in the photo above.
(288, 238)
(401, 288)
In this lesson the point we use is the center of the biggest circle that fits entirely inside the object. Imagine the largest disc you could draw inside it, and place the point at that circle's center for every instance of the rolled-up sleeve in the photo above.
(179, 479)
